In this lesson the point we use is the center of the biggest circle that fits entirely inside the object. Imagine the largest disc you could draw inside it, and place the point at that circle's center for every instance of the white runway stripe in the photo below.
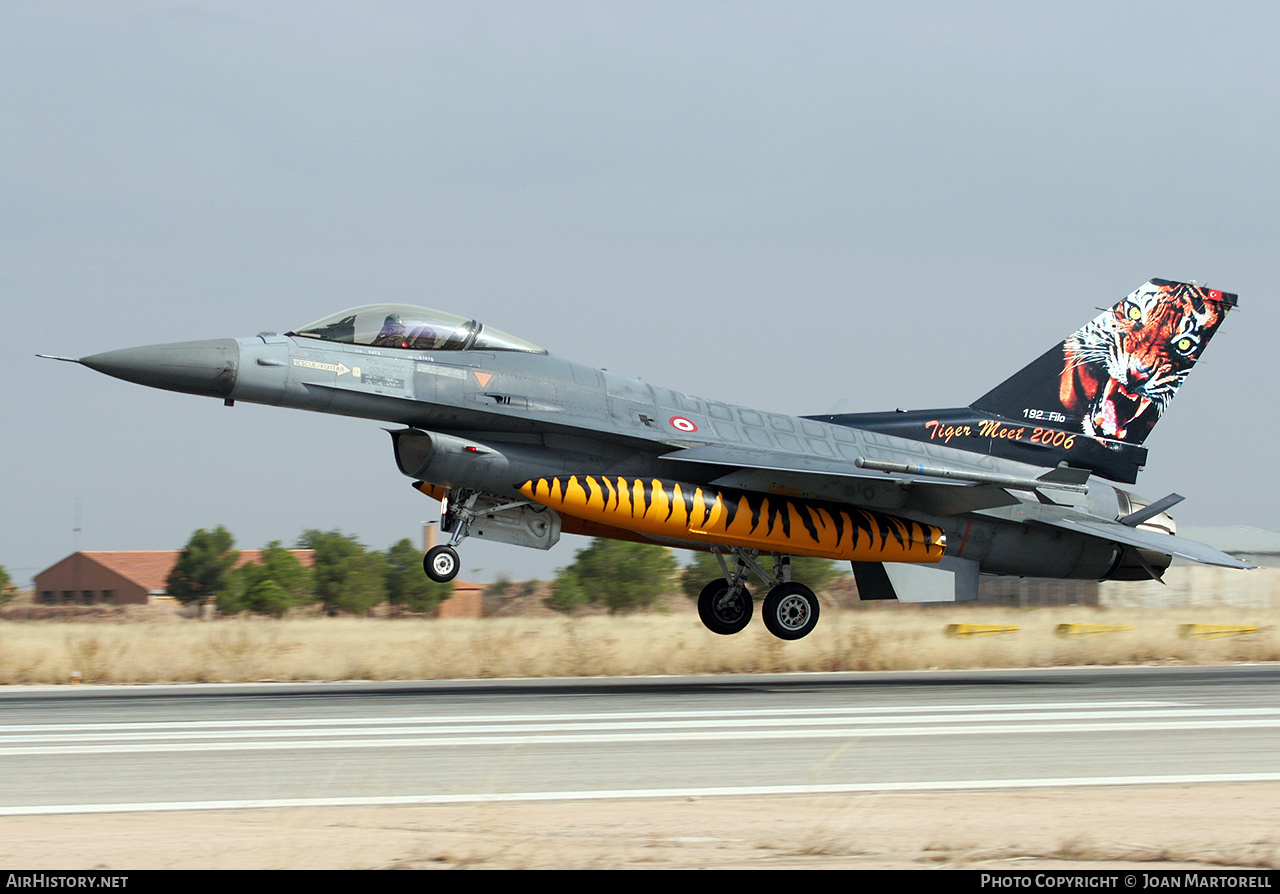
(715, 792)
(619, 728)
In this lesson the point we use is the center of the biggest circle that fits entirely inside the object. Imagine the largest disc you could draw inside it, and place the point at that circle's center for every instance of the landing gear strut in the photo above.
(457, 512)
(790, 609)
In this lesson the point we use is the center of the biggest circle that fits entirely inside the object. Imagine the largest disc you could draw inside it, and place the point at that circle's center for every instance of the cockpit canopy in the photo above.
(412, 328)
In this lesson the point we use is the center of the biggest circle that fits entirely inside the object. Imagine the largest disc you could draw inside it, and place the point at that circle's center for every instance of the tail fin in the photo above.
(1115, 376)
(1089, 401)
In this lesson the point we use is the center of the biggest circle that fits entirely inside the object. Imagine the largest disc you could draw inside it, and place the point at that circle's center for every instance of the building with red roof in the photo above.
(120, 577)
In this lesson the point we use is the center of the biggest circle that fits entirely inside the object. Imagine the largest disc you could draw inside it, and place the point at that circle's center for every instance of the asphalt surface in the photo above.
(111, 749)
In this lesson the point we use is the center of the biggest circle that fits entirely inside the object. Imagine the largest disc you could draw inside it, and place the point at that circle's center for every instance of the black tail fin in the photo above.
(1091, 400)
(1115, 376)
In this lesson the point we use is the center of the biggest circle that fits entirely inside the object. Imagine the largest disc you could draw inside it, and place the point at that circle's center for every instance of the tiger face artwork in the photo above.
(1121, 370)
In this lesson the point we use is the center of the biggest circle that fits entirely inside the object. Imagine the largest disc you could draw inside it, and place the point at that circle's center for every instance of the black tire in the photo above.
(790, 611)
(441, 564)
(721, 614)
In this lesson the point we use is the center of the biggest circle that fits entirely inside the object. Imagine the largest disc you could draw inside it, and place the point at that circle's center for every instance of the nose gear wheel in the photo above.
(441, 563)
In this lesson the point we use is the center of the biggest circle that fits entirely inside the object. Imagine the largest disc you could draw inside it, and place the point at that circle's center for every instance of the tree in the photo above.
(348, 578)
(7, 590)
(283, 567)
(267, 597)
(407, 586)
(203, 566)
(246, 588)
(814, 573)
(618, 574)
(233, 598)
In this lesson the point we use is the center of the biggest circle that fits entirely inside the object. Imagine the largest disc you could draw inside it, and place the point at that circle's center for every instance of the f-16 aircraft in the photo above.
(520, 445)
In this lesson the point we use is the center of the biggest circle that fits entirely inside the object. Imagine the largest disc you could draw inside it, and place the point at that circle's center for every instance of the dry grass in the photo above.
(1085, 849)
(892, 638)
(1197, 827)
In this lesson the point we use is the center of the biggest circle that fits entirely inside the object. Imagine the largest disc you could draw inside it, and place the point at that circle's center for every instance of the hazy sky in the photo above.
(795, 206)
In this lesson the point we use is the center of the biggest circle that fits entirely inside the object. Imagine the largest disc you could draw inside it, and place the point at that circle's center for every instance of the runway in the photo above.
(114, 749)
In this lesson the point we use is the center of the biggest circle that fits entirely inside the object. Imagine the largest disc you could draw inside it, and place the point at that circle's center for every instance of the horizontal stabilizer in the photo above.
(1168, 544)
(1134, 519)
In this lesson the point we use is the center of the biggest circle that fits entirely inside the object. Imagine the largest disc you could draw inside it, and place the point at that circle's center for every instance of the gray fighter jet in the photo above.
(519, 445)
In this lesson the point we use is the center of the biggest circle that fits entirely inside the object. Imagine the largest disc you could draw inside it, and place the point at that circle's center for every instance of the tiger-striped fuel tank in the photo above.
(735, 518)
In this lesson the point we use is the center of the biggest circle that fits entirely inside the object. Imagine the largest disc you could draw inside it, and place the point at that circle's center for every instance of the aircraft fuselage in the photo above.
(530, 416)
(519, 445)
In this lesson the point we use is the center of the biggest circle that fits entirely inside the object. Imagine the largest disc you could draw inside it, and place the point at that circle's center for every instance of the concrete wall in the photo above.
(1200, 585)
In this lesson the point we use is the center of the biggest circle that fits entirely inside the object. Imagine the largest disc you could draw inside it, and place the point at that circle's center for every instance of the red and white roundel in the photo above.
(681, 424)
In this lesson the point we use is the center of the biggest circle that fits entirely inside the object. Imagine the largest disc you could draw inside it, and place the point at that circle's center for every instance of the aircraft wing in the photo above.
(798, 464)
(771, 471)
(1168, 544)
(768, 471)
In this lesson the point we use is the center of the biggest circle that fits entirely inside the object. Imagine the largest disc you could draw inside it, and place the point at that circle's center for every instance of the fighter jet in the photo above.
(519, 445)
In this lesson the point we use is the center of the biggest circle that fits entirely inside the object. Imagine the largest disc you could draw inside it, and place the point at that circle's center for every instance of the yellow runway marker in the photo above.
(981, 629)
(1089, 629)
(1215, 631)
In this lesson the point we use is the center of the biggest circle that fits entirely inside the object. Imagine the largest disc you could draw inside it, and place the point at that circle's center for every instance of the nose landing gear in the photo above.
(441, 564)
(458, 511)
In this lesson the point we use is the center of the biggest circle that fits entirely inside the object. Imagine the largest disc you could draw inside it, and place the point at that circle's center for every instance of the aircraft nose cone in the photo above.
(192, 367)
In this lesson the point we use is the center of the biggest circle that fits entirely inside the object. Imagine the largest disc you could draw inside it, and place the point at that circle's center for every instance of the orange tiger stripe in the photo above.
(679, 511)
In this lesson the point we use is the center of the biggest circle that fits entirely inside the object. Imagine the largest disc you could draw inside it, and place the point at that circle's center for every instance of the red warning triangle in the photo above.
(482, 377)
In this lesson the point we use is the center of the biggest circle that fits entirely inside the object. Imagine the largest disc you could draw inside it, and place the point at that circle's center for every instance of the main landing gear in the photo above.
(790, 608)
(724, 608)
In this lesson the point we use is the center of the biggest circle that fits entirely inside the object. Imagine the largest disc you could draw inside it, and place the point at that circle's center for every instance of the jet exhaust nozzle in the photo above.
(192, 367)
